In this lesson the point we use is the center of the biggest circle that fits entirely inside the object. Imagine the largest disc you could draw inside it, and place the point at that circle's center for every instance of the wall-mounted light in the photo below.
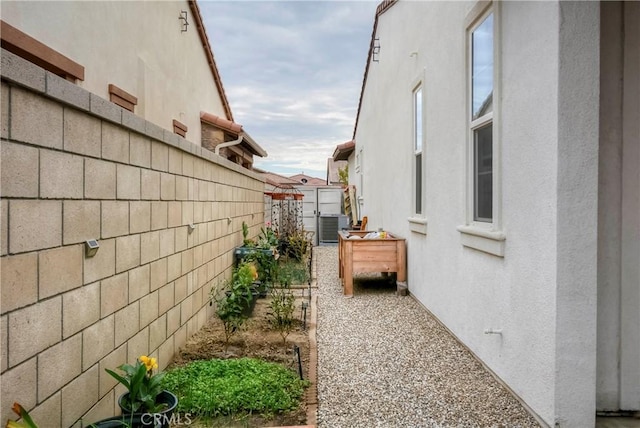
(376, 50)
(191, 228)
(91, 247)
(183, 18)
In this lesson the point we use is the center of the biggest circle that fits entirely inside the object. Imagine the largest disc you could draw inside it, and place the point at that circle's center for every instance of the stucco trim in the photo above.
(25, 46)
(418, 225)
(489, 241)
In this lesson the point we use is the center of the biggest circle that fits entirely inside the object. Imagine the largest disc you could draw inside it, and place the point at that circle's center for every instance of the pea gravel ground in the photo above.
(383, 361)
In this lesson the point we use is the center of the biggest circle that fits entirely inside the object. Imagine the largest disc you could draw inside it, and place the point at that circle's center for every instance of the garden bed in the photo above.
(256, 339)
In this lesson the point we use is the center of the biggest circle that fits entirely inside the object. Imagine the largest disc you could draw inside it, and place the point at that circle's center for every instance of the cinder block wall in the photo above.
(76, 167)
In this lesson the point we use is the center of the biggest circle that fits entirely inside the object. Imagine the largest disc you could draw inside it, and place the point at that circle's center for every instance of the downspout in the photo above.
(228, 144)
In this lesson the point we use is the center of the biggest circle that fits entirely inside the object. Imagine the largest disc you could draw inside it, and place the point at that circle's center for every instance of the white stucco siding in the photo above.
(135, 45)
(469, 290)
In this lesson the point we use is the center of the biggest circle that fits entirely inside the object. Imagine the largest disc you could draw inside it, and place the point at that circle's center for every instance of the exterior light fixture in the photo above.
(183, 18)
(91, 247)
(191, 228)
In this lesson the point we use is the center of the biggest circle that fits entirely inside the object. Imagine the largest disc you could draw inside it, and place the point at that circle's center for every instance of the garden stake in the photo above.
(303, 313)
(296, 349)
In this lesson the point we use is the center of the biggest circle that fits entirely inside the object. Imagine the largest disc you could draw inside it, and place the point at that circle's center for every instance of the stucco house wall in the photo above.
(541, 292)
(99, 36)
(76, 167)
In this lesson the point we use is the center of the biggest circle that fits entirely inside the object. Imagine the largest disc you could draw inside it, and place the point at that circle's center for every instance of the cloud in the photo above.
(292, 71)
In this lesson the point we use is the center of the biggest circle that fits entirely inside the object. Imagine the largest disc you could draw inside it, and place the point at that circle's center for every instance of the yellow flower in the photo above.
(150, 362)
(254, 271)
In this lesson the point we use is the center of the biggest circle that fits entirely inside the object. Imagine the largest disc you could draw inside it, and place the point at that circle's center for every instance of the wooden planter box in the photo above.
(370, 255)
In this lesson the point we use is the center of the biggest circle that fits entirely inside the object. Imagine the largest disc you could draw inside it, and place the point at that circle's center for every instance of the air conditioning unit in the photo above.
(330, 224)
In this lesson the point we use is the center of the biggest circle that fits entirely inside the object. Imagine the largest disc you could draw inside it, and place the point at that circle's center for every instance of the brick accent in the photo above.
(122, 98)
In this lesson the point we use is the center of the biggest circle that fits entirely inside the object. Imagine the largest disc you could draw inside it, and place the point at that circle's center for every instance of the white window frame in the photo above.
(417, 220)
(486, 236)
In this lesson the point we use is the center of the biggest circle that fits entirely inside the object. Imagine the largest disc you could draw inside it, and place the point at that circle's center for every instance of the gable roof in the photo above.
(276, 180)
(382, 8)
(310, 181)
(202, 32)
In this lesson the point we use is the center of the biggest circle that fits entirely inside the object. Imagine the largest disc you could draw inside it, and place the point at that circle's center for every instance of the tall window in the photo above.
(482, 118)
(417, 148)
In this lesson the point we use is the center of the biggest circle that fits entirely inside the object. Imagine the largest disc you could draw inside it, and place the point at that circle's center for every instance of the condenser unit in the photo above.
(330, 224)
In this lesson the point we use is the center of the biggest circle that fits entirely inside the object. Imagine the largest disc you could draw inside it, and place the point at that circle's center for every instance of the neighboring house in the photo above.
(107, 112)
(502, 140)
(307, 180)
(333, 168)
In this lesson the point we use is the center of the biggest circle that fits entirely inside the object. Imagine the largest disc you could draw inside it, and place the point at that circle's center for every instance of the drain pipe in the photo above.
(229, 143)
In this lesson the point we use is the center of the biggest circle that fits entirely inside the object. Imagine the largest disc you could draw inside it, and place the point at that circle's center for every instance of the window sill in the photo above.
(482, 239)
(418, 225)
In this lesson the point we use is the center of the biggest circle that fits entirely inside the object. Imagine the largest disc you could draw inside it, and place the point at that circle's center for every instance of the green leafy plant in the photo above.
(245, 236)
(282, 307)
(343, 175)
(26, 421)
(293, 271)
(231, 299)
(143, 386)
(235, 386)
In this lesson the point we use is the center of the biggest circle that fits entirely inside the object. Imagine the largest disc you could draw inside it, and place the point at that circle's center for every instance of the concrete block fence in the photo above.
(76, 167)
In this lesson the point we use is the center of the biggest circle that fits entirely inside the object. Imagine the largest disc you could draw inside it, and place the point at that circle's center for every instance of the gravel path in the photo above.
(383, 361)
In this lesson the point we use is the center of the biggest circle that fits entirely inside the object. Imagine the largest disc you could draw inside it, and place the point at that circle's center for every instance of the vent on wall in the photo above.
(329, 226)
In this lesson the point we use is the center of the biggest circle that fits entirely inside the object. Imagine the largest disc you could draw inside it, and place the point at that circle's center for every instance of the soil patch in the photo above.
(256, 339)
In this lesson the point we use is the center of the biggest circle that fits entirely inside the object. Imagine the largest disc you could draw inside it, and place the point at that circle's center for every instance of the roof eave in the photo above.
(202, 32)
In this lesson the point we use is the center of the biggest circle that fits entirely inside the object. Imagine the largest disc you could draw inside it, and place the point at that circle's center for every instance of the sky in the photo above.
(292, 72)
